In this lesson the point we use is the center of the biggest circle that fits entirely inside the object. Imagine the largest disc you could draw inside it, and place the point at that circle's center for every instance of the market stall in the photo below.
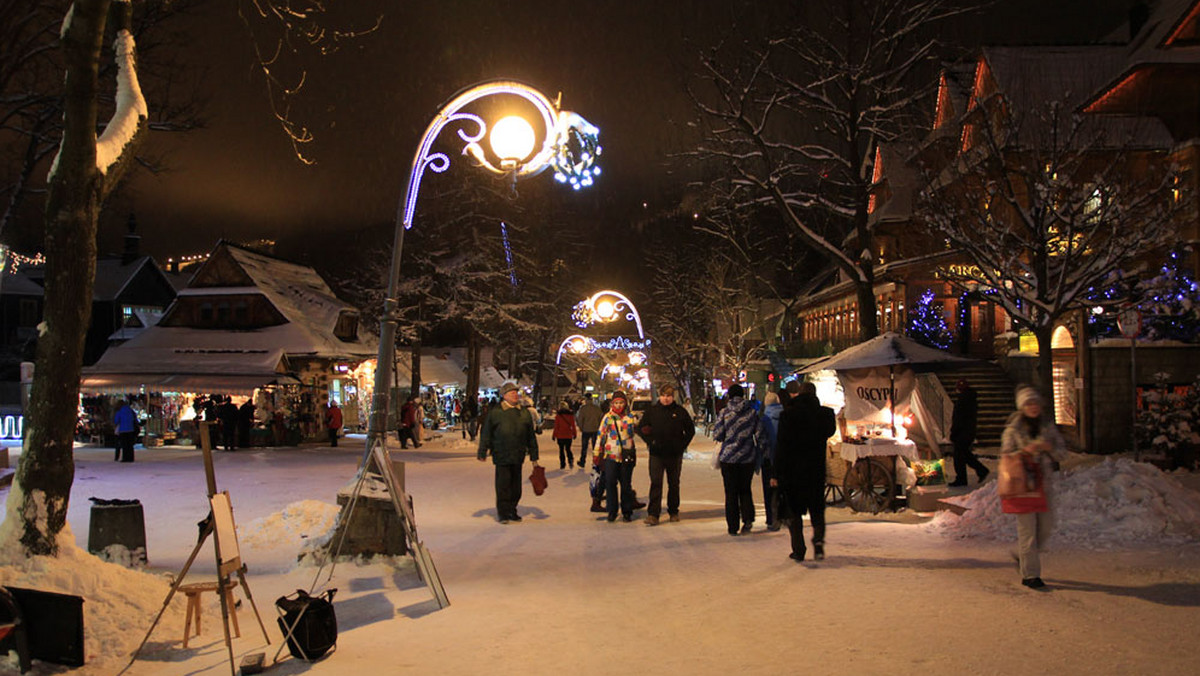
(871, 453)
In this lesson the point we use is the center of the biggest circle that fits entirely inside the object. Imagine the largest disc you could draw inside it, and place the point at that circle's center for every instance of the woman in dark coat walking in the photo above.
(804, 427)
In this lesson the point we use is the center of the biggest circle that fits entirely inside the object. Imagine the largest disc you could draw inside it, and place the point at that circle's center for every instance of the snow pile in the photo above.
(306, 520)
(118, 603)
(1102, 505)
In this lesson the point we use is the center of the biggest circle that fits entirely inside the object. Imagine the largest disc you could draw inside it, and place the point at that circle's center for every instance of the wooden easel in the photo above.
(377, 464)
(219, 523)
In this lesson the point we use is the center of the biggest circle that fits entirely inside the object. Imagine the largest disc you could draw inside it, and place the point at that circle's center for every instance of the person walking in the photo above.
(227, 412)
(616, 452)
(333, 422)
(408, 422)
(772, 407)
(1037, 439)
(667, 430)
(245, 422)
(507, 434)
(963, 425)
(740, 432)
(588, 419)
(470, 417)
(565, 433)
(125, 422)
(804, 428)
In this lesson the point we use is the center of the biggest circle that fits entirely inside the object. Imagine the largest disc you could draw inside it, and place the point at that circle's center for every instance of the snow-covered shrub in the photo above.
(1165, 422)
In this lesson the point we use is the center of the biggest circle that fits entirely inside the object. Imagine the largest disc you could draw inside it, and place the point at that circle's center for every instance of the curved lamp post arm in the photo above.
(570, 145)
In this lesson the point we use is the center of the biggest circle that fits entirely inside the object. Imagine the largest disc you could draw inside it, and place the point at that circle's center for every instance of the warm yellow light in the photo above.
(605, 310)
(512, 138)
(578, 346)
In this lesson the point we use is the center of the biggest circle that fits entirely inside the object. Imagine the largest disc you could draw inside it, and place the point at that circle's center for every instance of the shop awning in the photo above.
(131, 383)
(124, 370)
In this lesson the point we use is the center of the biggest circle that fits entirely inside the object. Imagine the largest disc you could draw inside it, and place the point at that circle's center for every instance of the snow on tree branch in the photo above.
(130, 112)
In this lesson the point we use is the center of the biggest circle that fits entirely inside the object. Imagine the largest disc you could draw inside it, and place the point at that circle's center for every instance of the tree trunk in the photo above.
(42, 491)
(539, 371)
(1045, 366)
(415, 383)
(868, 320)
(473, 365)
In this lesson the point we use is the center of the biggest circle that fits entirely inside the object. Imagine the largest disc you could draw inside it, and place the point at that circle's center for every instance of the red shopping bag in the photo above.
(1021, 486)
(538, 479)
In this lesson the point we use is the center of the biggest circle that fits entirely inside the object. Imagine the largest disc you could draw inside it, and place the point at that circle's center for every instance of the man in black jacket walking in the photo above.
(667, 430)
(963, 425)
(804, 427)
(508, 435)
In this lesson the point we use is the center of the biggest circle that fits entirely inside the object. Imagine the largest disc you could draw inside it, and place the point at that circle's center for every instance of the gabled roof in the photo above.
(112, 276)
(296, 291)
(1030, 78)
(1168, 45)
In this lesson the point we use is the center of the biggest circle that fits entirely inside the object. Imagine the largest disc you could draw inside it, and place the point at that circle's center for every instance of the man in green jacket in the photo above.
(508, 434)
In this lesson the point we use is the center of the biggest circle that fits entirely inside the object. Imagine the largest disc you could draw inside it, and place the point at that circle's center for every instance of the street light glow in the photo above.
(605, 310)
(512, 139)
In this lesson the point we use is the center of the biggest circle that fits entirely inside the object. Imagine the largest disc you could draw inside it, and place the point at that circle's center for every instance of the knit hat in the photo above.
(619, 395)
(1027, 394)
(736, 390)
(506, 388)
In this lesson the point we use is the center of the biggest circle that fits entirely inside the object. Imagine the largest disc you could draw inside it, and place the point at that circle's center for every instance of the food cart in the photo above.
(868, 463)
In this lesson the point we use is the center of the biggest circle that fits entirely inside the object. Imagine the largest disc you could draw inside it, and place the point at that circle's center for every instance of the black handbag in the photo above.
(781, 506)
(308, 623)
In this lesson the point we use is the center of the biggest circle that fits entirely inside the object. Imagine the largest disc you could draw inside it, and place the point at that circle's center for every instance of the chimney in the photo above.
(1139, 14)
(133, 243)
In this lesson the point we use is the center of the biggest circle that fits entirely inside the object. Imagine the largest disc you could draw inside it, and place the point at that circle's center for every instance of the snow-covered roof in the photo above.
(185, 369)
(143, 320)
(296, 291)
(1030, 78)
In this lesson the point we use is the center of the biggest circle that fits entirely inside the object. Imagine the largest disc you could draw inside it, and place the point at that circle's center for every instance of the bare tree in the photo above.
(1048, 205)
(793, 122)
(84, 172)
(31, 97)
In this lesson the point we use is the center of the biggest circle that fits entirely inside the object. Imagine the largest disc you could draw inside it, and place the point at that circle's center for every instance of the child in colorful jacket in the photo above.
(617, 454)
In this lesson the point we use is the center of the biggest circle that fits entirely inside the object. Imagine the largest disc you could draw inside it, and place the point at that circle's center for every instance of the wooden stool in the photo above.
(193, 592)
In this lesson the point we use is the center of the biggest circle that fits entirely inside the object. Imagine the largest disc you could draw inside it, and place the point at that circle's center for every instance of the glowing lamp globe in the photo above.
(605, 310)
(512, 139)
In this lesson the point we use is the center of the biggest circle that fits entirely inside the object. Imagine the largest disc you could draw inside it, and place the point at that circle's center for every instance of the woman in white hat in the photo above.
(1028, 432)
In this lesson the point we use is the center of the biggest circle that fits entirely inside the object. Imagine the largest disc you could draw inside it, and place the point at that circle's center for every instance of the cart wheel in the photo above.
(834, 495)
(868, 486)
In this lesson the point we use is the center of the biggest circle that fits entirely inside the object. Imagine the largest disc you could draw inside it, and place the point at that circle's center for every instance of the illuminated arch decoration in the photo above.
(570, 143)
(575, 344)
(606, 306)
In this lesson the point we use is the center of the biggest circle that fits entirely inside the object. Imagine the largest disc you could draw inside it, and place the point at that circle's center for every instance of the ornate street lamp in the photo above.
(569, 145)
(604, 307)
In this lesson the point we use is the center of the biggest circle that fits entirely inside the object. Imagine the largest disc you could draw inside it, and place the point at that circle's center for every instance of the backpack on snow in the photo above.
(308, 623)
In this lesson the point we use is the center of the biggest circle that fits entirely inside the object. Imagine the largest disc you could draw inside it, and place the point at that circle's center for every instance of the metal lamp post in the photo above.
(569, 145)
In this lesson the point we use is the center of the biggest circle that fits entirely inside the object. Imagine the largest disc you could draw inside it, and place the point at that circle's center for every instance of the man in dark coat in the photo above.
(228, 414)
(508, 435)
(667, 430)
(245, 422)
(804, 427)
(963, 426)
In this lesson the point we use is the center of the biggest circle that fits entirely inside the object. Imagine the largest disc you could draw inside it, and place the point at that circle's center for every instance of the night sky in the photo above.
(621, 64)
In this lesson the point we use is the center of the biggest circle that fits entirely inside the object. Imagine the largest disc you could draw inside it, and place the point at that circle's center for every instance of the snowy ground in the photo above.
(563, 592)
